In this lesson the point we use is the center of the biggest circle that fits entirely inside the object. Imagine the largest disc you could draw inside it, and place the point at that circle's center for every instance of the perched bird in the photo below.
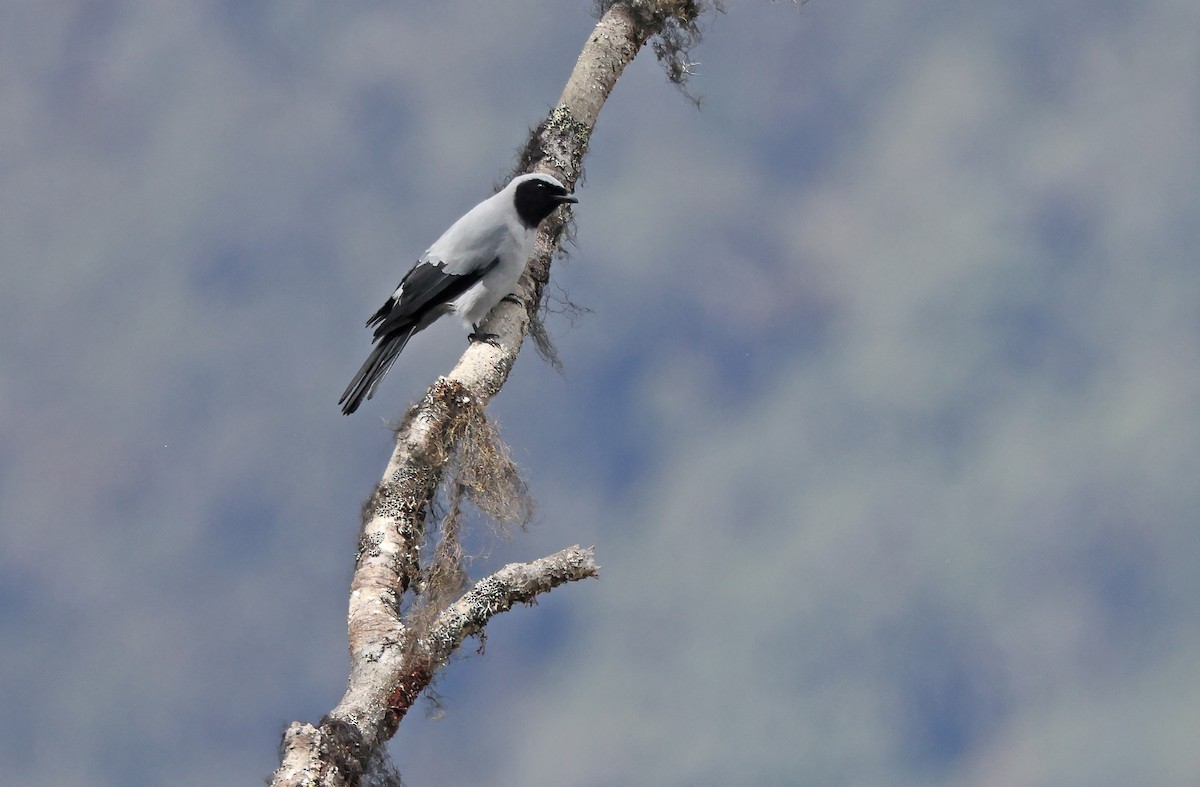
(471, 268)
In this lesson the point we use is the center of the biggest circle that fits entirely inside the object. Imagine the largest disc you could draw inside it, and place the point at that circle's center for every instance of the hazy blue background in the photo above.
(885, 422)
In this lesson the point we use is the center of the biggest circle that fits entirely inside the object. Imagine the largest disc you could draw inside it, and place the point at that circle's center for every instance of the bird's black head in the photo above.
(536, 196)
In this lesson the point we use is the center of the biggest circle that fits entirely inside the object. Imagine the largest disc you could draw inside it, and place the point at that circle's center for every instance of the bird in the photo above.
(467, 271)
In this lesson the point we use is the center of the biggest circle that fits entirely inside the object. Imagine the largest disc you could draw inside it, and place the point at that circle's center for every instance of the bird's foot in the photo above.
(487, 338)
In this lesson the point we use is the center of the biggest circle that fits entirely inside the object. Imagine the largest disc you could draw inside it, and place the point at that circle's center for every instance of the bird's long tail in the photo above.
(373, 370)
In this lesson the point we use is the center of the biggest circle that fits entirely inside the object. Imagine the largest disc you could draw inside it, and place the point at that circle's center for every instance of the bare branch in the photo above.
(516, 583)
(394, 655)
(306, 759)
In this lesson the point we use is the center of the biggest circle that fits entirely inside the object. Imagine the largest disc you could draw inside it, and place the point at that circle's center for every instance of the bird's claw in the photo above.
(487, 338)
(512, 297)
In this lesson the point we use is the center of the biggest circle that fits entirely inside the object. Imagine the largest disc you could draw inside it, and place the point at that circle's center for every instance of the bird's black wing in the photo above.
(423, 294)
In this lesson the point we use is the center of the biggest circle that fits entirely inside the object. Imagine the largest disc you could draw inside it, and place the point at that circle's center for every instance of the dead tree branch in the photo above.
(395, 650)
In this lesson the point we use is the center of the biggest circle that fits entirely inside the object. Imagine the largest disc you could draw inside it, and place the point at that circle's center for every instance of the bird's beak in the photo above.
(568, 198)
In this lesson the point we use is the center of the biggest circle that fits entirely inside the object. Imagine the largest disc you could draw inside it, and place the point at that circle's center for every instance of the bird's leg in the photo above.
(491, 338)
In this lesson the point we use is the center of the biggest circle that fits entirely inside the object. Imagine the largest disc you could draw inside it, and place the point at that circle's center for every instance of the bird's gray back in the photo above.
(474, 241)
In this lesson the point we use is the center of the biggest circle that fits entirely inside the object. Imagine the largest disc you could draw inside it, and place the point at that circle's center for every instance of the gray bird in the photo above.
(471, 268)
